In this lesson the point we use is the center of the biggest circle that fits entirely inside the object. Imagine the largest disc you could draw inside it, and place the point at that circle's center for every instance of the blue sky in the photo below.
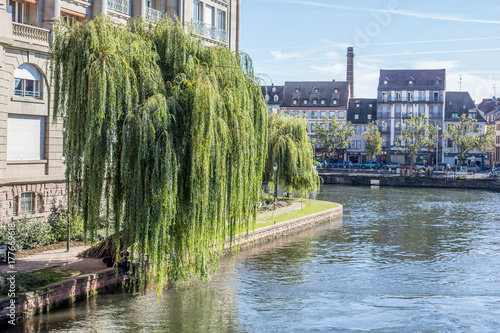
(306, 40)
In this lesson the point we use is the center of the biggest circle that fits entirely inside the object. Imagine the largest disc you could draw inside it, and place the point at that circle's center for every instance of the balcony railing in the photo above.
(30, 32)
(153, 15)
(409, 99)
(210, 31)
(122, 6)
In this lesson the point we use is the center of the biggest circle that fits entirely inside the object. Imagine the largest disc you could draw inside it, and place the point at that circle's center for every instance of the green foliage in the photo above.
(373, 139)
(29, 233)
(58, 220)
(289, 146)
(170, 134)
(332, 134)
(416, 134)
(466, 136)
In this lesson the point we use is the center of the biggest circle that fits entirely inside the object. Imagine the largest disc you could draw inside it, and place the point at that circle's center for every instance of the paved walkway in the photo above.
(281, 210)
(65, 262)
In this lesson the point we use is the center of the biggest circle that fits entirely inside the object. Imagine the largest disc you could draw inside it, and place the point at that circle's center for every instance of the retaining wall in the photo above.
(78, 288)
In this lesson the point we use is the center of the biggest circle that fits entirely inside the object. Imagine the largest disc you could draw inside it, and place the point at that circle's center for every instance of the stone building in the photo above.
(31, 162)
(403, 94)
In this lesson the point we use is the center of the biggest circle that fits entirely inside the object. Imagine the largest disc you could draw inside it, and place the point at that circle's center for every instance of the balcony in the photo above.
(153, 15)
(397, 99)
(122, 6)
(207, 30)
(30, 32)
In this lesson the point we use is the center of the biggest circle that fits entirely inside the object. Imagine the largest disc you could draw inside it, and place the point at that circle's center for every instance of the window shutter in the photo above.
(25, 138)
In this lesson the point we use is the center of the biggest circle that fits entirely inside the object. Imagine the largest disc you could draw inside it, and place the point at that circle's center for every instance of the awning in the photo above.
(31, 1)
(65, 11)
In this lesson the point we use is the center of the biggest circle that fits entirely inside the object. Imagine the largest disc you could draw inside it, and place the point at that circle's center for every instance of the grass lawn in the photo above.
(310, 207)
(31, 281)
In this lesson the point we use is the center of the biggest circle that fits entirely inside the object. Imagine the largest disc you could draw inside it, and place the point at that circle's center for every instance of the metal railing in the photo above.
(122, 6)
(207, 30)
(27, 93)
(30, 32)
(409, 99)
(154, 15)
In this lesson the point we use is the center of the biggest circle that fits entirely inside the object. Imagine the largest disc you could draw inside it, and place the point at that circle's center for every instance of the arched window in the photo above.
(27, 81)
(276, 98)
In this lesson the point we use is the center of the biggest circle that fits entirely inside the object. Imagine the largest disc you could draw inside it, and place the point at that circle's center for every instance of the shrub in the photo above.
(30, 233)
(59, 222)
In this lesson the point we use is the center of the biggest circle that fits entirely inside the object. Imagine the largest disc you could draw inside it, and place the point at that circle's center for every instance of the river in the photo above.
(401, 260)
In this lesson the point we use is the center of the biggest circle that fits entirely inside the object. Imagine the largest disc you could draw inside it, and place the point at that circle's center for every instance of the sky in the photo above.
(307, 40)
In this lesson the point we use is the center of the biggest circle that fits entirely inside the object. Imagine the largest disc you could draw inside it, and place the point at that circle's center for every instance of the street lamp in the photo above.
(437, 146)
(275, 168)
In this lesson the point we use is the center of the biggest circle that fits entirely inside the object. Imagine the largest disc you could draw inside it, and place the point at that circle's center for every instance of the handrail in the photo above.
(210, 31)
(122, 6)
(154, 15)
(30, 32)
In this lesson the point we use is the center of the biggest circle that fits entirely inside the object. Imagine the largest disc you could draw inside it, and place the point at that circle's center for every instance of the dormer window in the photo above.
(410, 82)
(267, 98)
(436, 82)
(370, 105)
(276, 98)
(357, 105)
(335, 102)
(315, 90)
(315, 101)
(369, 116)
(323, 102)
(335, 91)
(473, 115)
(274, 89)
(463, 107)
(356, 116)
(294, 102)
(297, 90)
(305, 102)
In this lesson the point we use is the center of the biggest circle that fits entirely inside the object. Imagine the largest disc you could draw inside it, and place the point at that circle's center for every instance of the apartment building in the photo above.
(273, 96)
(31, 162)
(403, 94)
(457, 104)
(360, 113)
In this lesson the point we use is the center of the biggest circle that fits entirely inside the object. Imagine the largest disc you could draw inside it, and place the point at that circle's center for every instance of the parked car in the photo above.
(342, 164)
(419, 166)
(391, 165)
(372, 164)
(323, 163)
(441, 166)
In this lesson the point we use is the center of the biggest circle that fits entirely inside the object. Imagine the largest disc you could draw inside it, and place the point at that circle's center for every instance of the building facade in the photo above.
(31, 161)
(403, 94)
(360, 113)
(458, 104)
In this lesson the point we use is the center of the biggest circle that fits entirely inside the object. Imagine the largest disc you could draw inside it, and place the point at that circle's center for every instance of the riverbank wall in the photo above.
(66, 292)
(419, 181)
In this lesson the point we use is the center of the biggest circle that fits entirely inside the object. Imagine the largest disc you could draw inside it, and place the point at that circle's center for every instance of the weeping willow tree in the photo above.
(164, 138)
(290, 147)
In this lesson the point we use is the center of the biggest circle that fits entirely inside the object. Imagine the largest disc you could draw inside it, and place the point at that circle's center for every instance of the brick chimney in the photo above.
(350, 69)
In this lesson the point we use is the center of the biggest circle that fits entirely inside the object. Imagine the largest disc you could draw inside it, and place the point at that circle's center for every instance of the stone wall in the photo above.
(53, 195)
(61, 294)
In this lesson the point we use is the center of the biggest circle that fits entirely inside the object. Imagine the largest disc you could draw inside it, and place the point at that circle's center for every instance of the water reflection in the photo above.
(401, 260)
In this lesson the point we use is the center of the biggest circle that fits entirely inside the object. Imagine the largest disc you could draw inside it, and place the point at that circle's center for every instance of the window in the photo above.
(421, 95)
(335, 102)
(369, 117)
(273, 89)
(209, 15)
(386, 82)
(384, 126)
(305, 102)
(322, 102)
(297, 90)
(27, 203)
(356, 116)
(357, 129)
(454, 115)
(450, 143)
(341, 114)
(316, 90)
(332, 114)
(409, 111)
(398, 95)
(397, 124)
(421, 109)
(335, 91)
(370, 105)
(384, 97)
(197, 11)
(25, 138)
(498, 139)
(436, 82)
(473, 115)
(27, 81)
(357, 105)
(313, 114)
(409, 96)
(498, 127)
(72, 19)
(267, 98)
(450, 103)
(276, 98)
(315, 101)
(435, 111)
(436, 96)
(410, 82)
(221, 24)
(398, 110)
(294, 102)
(18, 12)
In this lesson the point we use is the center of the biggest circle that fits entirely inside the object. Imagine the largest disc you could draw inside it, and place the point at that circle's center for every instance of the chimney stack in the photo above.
(350, 69)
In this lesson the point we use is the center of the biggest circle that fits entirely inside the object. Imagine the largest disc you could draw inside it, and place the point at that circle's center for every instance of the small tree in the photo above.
(373, 140)
(332, 134)
(466, 137)
(290, 147)
(416, 134)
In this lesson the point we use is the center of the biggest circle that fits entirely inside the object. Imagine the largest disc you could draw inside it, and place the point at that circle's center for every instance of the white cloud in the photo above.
(280, 56)
(336, 71)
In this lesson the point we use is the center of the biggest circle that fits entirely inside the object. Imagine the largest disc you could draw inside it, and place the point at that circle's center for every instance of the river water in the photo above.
(401, 260)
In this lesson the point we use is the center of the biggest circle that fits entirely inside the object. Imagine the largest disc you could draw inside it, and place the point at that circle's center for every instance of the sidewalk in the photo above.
(66, 262)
